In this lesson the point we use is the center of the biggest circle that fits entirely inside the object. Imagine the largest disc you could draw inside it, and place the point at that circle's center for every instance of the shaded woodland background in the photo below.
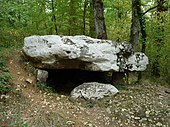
(21, 18)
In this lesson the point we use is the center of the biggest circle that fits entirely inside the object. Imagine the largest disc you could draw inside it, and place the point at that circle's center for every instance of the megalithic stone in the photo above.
(82, 52)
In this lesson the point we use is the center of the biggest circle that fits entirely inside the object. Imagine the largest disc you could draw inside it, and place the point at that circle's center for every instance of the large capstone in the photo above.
(93, 91)
(82, 52)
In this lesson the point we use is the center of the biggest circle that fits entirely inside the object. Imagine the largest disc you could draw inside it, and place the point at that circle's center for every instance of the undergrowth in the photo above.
(45, 87)
(5, 76)
(18, 122)
(5, 82)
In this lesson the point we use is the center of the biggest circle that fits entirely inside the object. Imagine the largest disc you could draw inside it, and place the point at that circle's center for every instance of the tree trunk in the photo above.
(92, 32)
(53, 15)
(84, 17)
(134, 35)
(142, 22)
(99, 19)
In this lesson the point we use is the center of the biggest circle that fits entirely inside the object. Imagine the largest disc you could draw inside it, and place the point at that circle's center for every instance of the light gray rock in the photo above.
(82, 52)
(137, 61)
(93, 91)
(42, 75)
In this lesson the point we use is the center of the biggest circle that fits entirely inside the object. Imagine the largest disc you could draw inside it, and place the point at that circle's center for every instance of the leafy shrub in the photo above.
(158, 47)
(44, 87)
(3, 66)
(5, 76)
(4, 82)
(164, 63)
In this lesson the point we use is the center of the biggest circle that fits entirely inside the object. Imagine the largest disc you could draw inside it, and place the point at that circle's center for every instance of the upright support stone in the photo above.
(117, 78)
(42, 75)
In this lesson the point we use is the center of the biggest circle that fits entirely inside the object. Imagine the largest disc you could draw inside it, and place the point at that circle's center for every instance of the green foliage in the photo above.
(118, 19)
(30, 68)
(3, 66)
(158, 46)
(164, 63)
(44, 87)
(11, 23)
(19, 19)
(5, 76)
(4, 82)
(18, 122)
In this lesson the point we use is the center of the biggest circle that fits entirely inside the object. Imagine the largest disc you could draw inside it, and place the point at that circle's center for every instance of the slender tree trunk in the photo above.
(92, 32)
(99, 19)
(53, 16)
(119, 17)
(134, 35)
(84, 17)
(142, 22)
(160, 9)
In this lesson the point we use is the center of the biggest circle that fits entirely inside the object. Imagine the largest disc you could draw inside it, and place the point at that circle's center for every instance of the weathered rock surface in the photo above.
(93, 91)
(42, 75)
(82, 52)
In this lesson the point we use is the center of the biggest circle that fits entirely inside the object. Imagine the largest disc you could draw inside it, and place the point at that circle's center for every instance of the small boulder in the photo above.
(42, 75)
(93, 91)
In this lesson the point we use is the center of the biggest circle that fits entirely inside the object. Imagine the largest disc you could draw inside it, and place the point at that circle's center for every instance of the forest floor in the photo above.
(144, 105)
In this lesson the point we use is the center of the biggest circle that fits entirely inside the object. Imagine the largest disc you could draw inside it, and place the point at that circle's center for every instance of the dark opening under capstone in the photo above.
(68, 79)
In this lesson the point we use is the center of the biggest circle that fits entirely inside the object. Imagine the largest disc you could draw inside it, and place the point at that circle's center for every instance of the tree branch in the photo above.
(151, 8)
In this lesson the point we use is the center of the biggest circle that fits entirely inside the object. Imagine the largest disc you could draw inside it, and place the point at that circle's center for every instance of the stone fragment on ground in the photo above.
(29, 80)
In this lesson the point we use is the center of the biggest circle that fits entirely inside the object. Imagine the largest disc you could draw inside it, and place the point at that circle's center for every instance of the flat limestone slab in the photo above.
(82, 52)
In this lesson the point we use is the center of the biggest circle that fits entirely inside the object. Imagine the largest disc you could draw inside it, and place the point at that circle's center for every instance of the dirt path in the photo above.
(144, 105)
(75, 115)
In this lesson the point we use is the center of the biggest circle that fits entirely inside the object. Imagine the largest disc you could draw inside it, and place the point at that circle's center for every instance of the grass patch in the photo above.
(18, 122)
(5, 76)
(45, 87)
(12, 108)
(121, 86)
(5, 82)
(48, 119)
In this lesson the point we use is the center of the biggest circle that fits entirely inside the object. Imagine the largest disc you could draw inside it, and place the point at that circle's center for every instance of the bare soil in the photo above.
(144, 105)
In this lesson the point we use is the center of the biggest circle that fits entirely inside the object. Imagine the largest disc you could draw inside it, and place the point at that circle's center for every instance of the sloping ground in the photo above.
(135, 106)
